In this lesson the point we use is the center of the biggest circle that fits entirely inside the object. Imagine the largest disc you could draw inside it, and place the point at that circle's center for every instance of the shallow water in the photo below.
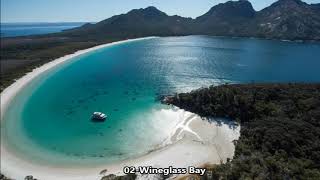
(53, 113)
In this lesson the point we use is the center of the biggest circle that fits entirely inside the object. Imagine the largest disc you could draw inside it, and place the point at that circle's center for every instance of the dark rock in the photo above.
(114, 177)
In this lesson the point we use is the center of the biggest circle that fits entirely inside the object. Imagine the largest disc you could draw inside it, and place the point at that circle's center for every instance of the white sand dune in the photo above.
(193, 142)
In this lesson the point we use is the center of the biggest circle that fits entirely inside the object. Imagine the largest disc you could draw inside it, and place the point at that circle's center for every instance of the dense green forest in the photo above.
(280, 128)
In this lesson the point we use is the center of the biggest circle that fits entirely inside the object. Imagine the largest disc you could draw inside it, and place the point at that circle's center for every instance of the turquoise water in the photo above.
(52, 114)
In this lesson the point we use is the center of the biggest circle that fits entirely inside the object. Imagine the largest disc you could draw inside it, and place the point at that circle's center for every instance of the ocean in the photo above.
(23, 29)
(49, 120)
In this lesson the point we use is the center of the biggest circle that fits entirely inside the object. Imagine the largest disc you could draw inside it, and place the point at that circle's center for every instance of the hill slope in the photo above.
(137, 23)
(288, 19)
(226, 19)
(285, 19)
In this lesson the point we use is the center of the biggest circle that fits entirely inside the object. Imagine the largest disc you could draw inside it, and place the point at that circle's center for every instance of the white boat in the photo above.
(98, 116)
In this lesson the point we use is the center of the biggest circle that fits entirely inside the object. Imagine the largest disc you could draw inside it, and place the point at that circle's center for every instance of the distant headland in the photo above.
(234, 18)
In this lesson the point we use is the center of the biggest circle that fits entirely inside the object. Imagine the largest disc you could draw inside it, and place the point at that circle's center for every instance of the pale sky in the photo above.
(97, 10)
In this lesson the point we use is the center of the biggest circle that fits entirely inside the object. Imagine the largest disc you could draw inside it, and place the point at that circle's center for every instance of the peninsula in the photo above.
(257, 131)
(279, 128)
(234, 18)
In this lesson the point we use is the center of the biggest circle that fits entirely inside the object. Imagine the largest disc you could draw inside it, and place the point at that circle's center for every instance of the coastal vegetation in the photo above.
(280, 123)
(234, 18)
(280, 128)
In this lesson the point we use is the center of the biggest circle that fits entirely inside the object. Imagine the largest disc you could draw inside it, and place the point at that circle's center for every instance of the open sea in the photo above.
(24, 29)
(49, 120)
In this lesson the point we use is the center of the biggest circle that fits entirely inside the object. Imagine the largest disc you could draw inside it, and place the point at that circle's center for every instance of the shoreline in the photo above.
(190, 139)
(266, 121)
(194, 142)
(8, 93)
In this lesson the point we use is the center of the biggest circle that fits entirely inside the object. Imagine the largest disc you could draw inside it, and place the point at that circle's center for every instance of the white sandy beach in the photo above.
(193, 142)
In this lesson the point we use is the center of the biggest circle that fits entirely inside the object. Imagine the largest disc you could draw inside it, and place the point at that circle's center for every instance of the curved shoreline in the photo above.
(8, 93)
(190, 139)
(194, 141)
